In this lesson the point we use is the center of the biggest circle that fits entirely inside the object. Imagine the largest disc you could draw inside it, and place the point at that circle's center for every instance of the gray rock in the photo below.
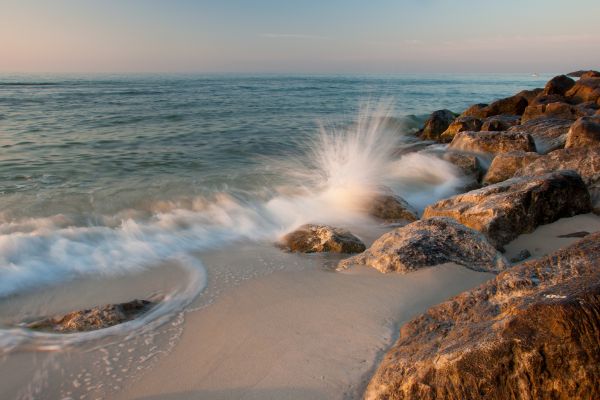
(427, 243)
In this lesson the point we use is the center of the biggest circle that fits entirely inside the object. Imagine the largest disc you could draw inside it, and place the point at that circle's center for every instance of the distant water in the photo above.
(103, 175)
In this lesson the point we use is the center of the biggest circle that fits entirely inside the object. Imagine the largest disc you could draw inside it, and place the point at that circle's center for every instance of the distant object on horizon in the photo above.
(535, 74)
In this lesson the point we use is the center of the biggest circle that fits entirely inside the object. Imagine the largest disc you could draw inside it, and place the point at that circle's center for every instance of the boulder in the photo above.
(584, 132)
(559, 85)
(504, 165)
(391, 208)
(584, 74)
(469, 164)
(500, 122)
(548, 134)
(533, 332)
(476, 110)
(507, 209)
(513, 105)
(460, 124)
(548, 98)
(529, 95)
(550, 110)
(427, 243)
(311, 238)
(437, 123)
(585, 89)
(492, 142)
(93, 318)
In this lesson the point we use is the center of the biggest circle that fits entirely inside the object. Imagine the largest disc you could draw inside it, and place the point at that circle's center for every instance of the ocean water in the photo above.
(105, 176)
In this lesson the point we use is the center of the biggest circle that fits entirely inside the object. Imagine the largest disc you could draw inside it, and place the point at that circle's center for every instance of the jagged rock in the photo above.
(584, 132)
(584, 74)
(311, 238)
(584, 160)
(507, 209)
(476, 110)
(533, 332)
(437, 123)
(585, 89)
(500, 122)
(460, 124)
(93, 318)
(427, 243)
(468, 163)
(492, 142)
(559, 85)
(548, 134)
(391, 208)
(504, 165)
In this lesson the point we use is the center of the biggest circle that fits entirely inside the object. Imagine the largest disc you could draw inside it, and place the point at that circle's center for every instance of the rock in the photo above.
(507, 209)
(427, 243)
(436, 124)
(584, 160)
(584, 74)
(468, 163)
(548, 134)
(492, 142)
(412, 147)
(584, 132)
(93, 318)
(391, 208)
(533, 332)
(523, 255)
(548, 98)
(550, 110)
(311, 238)
(529, 95)
(500, 122)
(585, 89)
(476, 110)
(559, 85)
(514, 105)
(504, 165)
(460, 124)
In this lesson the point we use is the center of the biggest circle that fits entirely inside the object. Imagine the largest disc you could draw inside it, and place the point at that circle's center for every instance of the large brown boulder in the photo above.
(437, 123)
(492, 142)
(427, 243)
(533, 332)
(504, 165)
(391, 208)
(584, 132)
(586, 89)
(500, 122)
(548, 134)
(559, 85)
(93, 318)
(507, 209)
(460, 124)
(311, 238)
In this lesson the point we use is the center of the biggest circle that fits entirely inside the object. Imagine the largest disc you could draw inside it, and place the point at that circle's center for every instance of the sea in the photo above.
(105, 176)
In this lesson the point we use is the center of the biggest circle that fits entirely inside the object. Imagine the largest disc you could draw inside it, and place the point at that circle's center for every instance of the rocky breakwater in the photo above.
(531, 333)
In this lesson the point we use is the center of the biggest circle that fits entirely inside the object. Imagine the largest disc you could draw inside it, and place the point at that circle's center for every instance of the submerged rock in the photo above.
(427, 243)
(311, 238)
(548, 134)
(505, 210)
(460, 124)
(437, 123)
(391, 208)
(504, 165)
(584, 132)
(492, 142)
(93, 318)
(531, 333)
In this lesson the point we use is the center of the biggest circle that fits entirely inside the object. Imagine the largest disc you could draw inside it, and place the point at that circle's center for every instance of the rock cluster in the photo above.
(531, 333)
(93, 318)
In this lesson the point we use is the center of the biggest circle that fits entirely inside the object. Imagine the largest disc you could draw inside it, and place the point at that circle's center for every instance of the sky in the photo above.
(308, 36)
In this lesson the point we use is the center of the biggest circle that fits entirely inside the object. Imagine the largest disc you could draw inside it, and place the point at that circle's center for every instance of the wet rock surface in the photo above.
(492, 142)
(427, 243)
(312, 238)
(505, 165)
(505, 210)
(391, 208)
(93, 318)
(531, 333)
